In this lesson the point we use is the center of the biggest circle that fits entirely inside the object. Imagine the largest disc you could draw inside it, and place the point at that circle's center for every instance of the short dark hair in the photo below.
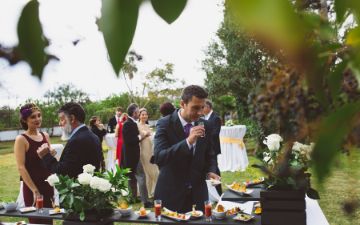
(119, 109)
(193, 90)
(166, 108)
(26, 111)
(92, 121)
(209, 103)
(75, 109)
(131, 109)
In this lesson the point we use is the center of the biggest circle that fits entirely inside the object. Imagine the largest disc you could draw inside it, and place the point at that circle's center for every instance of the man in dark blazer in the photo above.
(113, 121)
(83, 146)
(132, 138)
(214, 122)
(184, 154)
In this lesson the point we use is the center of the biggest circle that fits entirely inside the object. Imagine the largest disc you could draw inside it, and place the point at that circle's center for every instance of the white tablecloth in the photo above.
(110, 141)
(314, 214)
(233, 155)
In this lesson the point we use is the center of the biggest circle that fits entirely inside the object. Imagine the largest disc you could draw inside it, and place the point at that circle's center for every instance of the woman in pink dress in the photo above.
(32, 171)
(118, 134)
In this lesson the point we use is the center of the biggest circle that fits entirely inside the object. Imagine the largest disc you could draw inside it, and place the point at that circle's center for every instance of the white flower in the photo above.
(100, 184)
(104, 185)
(266, 157)
(124, 192)
(52, 180)
(95, 182)
(297, 146)
(273, 142)
(84, 178)
(88, 168)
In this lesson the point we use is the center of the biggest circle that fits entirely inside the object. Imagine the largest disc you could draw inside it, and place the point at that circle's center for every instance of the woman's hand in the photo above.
(35, 194)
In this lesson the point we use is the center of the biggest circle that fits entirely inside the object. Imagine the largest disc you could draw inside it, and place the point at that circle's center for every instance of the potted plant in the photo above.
(92, 195)
(287, 181)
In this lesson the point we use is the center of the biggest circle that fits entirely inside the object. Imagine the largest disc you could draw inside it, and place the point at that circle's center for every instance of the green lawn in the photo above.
(342, 185)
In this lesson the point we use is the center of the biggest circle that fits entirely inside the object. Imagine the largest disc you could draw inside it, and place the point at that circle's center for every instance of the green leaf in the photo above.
(63, 191)
(62, 197)
(118, 23)
(169, 10)
(82, 216)
(340, 9)
(331, 134)
(32, 42)
(71, 200)
(311, 193)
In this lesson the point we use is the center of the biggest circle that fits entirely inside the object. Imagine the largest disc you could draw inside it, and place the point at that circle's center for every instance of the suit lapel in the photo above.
(178, 128)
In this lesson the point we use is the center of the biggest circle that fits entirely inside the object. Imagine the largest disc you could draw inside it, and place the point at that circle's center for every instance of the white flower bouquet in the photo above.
(91, 191)
(287, 168)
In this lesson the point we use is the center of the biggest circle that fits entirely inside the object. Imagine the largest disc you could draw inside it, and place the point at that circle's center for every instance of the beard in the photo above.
(66, 131)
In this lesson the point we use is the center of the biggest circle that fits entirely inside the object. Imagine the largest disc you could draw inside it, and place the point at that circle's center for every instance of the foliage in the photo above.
(66, 93)
(293, 176)
(234, 65)
(313, 52)
(96, 192)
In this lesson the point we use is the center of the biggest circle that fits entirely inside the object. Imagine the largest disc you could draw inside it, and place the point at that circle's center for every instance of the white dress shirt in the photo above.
(183, 123)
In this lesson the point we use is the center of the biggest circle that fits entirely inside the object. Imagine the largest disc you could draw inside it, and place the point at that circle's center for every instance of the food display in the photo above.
(243, 217)
(220, 208)
(254, 182)
(174, 215)
(239, 188)
(195, 213)
(123, 205)
(257, 208)
(142, 212)
(233, 211)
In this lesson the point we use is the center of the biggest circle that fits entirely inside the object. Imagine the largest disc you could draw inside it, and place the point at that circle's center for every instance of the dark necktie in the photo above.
(187, 128)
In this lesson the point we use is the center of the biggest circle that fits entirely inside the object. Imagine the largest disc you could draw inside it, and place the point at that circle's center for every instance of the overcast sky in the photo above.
(85, 65)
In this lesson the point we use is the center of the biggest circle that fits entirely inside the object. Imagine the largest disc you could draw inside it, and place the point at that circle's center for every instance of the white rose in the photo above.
(273, 142)
(124, 192)
(52, 180)
(88, 168)
(297, 146)
(104, 185)
(95, 182)
(84, 178)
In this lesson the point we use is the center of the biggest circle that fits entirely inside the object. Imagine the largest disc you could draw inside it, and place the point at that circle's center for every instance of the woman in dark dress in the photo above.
(32, 171)
(97, 127)
(99, 130)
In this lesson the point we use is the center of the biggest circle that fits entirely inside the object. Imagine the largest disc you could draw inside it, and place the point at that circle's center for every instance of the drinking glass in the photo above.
(157, 209)
(39, 203)
(201, 123)
(208, 209)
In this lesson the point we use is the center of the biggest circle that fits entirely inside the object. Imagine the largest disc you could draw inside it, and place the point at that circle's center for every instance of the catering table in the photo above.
(233, 155)
(111, 142)
(314, 216)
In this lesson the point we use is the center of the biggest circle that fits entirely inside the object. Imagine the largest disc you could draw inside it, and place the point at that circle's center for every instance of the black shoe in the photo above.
(148, 205)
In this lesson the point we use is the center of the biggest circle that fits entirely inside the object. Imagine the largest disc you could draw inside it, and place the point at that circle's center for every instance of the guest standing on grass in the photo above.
(120, 141)
(32, 171)
(146, 152)
(83, 146)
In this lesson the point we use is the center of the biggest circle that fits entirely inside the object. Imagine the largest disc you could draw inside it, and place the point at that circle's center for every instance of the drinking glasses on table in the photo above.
(207, 213)
(157, 209)
(39, 203)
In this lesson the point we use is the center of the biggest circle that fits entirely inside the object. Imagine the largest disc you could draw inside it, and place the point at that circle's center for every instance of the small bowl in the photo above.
(125, 212)
(219, 215)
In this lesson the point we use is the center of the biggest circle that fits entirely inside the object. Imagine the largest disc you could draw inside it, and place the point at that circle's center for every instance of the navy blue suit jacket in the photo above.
(178, 165)
(82, 148)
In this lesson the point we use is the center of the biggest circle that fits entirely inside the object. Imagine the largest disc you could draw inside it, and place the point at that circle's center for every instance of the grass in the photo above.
(343, 184)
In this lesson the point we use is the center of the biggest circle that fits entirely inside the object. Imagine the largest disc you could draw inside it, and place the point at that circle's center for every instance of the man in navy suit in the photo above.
(184, 153)
(132, 138)
(214, 122)
(83, 146)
